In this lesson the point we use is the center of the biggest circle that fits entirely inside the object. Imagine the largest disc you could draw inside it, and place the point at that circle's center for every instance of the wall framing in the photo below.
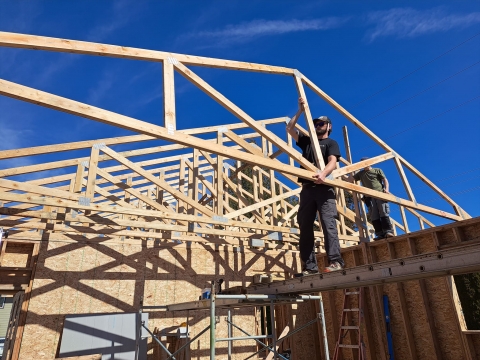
(114, 224)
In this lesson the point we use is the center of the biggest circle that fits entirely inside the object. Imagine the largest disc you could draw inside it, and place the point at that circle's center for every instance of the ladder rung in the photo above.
(355, 309)
(349, 346)
(352, 293)
(350, 327)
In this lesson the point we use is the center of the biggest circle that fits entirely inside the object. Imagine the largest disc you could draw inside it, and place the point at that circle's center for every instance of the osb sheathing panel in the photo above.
(443, 313)
(17, 255)
(476, 343)
(445, 321)
(471, 232)
(96, 278)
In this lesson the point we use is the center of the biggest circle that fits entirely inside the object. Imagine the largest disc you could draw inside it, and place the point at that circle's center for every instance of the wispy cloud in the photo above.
(121, 14)
(408, 22)
(101, 89)
(247, 31)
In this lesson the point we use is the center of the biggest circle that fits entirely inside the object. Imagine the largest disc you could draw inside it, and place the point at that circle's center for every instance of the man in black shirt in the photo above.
(316, 196)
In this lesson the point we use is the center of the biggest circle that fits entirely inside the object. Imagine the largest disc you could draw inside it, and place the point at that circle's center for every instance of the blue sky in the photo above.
(409, 70)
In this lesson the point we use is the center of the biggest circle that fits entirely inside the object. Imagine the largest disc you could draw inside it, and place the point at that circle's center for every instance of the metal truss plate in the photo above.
(84, 201)
(222, 219)
(275, 235)
(99, 146)
(257, 243)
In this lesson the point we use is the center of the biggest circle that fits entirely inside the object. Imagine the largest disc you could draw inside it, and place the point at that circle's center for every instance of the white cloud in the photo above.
(121, 14)
(102, 88)
(247, 31)
(408, 22)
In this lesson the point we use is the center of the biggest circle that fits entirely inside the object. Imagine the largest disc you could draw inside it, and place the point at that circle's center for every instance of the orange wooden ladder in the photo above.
(356, 320)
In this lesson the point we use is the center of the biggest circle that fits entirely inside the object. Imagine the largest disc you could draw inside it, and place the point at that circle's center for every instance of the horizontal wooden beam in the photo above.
(34, 42)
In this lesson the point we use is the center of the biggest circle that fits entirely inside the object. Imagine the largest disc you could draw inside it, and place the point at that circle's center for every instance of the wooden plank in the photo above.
(312, 132)
(52, 101)
(156, 181)
(262, 203)
(240, 114)
(359, 218)
(377, 140)
(35, 42)
(35, 189)
(361, 164)
(219, 177)
(92, 172)
(49, 149)
(169, 117)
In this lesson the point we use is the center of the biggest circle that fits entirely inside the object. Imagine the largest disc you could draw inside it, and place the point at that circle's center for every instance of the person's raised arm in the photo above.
(291, 124)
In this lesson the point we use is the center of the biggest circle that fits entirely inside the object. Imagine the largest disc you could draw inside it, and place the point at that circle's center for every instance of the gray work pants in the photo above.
(319, 198)
(379, 209)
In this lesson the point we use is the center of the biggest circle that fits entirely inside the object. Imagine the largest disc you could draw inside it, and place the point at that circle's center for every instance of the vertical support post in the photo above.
(219, 176)
(274, 330)
(77, 188)
(359, 221)
(229, 317)
(324, 328)
(213, 322)
(169, 97)
(408, 189)
(404, 220)
(181, 185)
(92, 172)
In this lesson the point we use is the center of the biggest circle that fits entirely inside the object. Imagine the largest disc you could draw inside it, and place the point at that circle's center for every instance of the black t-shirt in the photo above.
(328, 147)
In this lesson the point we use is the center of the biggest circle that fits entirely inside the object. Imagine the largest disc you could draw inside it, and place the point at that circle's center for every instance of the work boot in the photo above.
(334, 266)
(387, 227)
(306, 272)
(377, 226)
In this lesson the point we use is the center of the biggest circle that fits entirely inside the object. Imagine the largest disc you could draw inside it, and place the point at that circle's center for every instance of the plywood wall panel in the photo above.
(93, 278)
(86, 279)
(44, 310)
(470, 232)
(416, 309)
(445, 319)
(17, 255)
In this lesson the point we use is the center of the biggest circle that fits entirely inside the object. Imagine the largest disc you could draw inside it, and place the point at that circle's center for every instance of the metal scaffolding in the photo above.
(229, 302)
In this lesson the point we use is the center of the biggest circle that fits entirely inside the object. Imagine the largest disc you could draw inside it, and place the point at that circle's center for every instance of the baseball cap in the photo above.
(323, 118)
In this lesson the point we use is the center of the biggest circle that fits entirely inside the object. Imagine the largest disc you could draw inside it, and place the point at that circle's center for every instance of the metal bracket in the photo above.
(84, 201)
(222, 219)
(170, 129)
(222, 129)
(172, 60)
(99, 146)
(294, 231)
(257, 243)
(297, 73)
(275, 235)
(84, 163)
